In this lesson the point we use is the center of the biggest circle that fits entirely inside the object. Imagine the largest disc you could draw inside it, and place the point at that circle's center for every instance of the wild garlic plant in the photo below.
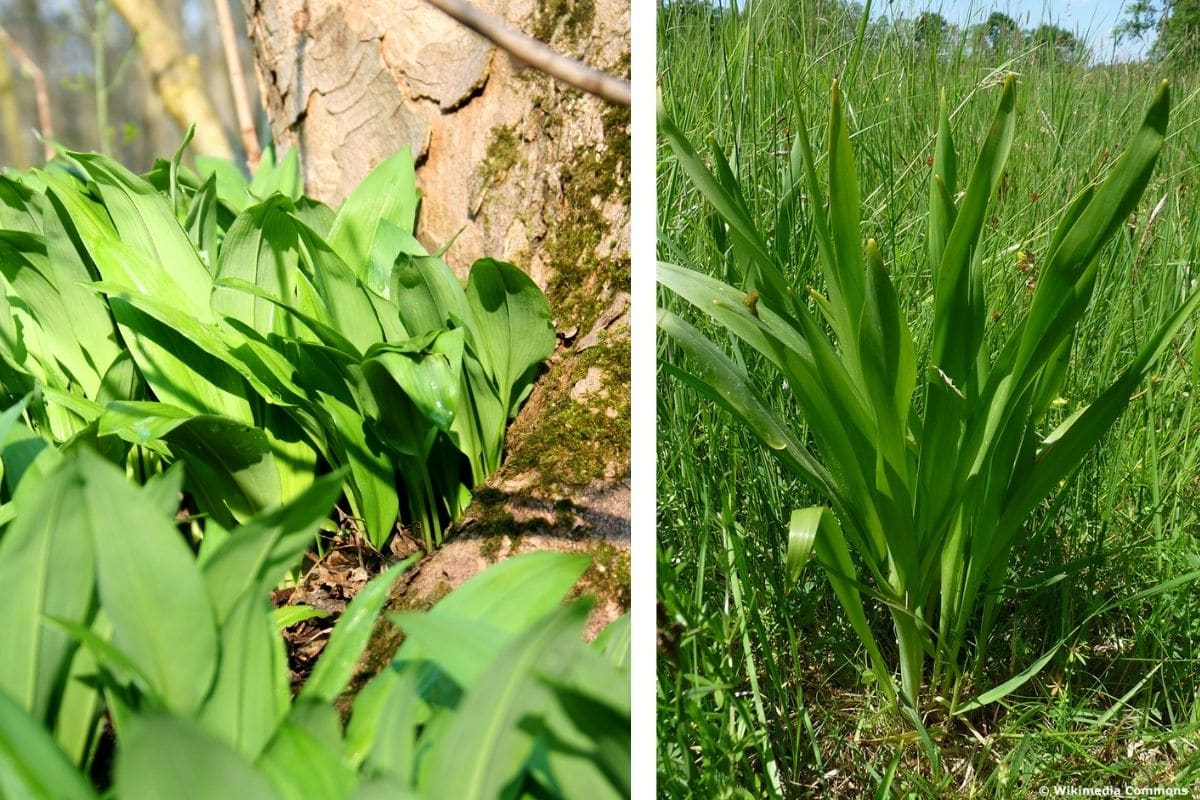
(931, 462)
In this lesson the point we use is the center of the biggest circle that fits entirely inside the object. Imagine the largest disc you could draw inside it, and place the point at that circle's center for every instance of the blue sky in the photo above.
(1091, 20)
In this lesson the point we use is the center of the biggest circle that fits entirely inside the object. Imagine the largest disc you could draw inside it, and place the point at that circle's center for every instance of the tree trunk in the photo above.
(175, 74)
(16, 153)
(515, 165)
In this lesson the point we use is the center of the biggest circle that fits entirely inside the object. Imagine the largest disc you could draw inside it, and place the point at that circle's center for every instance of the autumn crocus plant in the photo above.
(931, 457)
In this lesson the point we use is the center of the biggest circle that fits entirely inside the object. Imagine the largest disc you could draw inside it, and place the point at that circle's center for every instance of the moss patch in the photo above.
(608, 577)
(569, 444)
(583, 282)
(503, 153)
(493, 522)
(570, 19)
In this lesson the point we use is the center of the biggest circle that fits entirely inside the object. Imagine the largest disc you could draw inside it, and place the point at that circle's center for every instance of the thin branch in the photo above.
(241, 103)
(30, 67)
(536, 54)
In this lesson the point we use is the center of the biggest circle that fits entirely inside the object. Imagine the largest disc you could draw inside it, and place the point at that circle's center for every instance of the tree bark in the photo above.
(175, 74)
(516, 166)
(351, 81)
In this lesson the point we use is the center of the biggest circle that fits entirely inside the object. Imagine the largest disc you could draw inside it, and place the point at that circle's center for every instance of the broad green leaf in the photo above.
(428, 370)
(514, 334)
(31, 765)
(344, 297)
(257, 554)
(280, 176)
(513, 594)
(149, 585)
(339, 659)
(387, 195)
(261, 249)
(233, 189)
(388, 714)
(429, 295)
(19, 206)
(483, 749)
(166, 757)
(287, 616)
(230, 466)
(27, 457)
(250, 696)
(587, 741)
(202, 221)
(461, 648)
(47, 563)
(372, 472)
(614, 641)
(302, 767)
(147, 225)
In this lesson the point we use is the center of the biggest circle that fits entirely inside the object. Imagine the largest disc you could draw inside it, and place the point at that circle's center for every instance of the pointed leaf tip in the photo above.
(1160, 108)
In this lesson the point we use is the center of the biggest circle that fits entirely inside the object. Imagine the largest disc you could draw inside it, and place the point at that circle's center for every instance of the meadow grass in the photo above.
(761, 683)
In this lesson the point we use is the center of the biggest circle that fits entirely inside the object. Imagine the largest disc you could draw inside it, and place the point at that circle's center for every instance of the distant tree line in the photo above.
(999, 34)
(1173, 26)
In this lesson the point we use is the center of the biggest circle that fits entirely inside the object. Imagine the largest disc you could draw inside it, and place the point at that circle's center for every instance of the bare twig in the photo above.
(241, 103)
(536, 54)
(30, 67)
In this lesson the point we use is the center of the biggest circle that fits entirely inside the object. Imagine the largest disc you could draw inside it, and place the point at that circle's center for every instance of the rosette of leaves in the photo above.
(261, 338)
(931, 458)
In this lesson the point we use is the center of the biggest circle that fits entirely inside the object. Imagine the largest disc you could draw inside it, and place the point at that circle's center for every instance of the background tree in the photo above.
(1174, 24)
(930, 27)
(101, 90)
(1059, 42)
(175, 74)
(998, 32)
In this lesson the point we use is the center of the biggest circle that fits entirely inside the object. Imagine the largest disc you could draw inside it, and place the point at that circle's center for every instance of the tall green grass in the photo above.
(763, 687)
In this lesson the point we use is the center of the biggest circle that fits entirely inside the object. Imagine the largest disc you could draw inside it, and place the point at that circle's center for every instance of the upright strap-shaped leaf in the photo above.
(1057, 302)
(844, 211)
(1065, 285)
(958, 322)
(1066, 447)
(943, 180)
(722, 192)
